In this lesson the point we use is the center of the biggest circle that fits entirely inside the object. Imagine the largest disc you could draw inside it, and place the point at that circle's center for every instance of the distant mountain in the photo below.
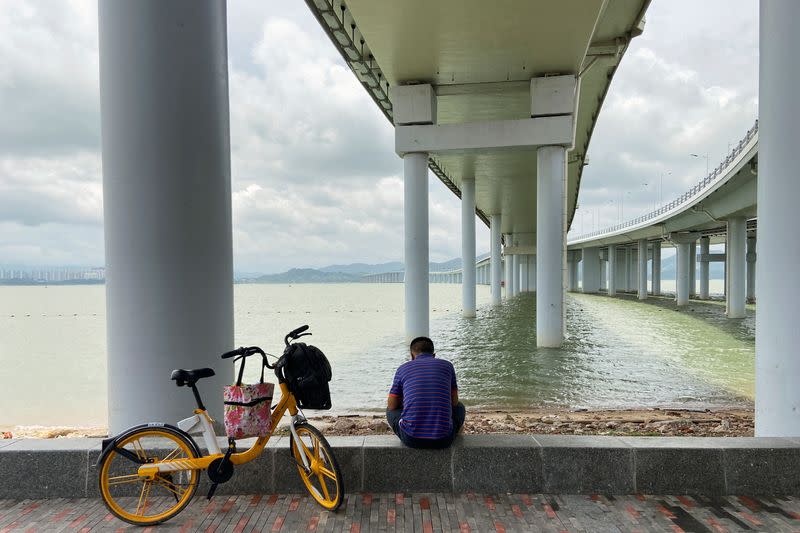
(308, 275)
(715, 271)
(364, 268)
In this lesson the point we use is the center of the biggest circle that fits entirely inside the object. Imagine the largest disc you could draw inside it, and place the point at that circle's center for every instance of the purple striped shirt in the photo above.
(425, 385)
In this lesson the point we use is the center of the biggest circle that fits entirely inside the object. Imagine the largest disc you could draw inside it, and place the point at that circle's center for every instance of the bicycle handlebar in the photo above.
(296, 334)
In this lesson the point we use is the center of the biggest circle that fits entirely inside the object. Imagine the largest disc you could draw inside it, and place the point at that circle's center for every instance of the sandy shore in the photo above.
(647, 422)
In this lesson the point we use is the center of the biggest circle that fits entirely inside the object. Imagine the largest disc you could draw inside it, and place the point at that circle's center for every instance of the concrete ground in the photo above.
(363, 512)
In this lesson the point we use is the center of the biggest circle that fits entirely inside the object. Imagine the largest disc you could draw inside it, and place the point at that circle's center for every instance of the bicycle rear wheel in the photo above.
(140, 501)
(323, 479)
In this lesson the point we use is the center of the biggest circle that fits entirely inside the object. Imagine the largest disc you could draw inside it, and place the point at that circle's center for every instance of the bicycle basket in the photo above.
(307, 374)
(247, 408)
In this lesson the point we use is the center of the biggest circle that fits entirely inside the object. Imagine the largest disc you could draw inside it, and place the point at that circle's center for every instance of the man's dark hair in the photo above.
(421, 345)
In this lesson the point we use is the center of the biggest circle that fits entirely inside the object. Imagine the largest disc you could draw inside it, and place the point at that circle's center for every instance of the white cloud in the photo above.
(315, 178)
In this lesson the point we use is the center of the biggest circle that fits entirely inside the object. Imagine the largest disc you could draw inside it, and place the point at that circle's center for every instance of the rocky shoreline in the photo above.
(643, 422)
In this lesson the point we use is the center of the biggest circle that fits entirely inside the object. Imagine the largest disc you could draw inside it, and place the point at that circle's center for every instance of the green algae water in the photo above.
(619, 353)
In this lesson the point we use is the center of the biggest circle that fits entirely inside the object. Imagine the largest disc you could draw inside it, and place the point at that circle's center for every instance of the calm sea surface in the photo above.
(619, 353)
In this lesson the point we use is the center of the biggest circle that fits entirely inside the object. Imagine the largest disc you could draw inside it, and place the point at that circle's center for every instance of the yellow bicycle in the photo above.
(149, 473)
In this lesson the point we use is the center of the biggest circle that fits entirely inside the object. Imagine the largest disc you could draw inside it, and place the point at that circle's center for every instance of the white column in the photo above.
(692, 268)
(751, 268)
(550, 244)
(737, 277)
(532, 273)
(523, 273)
(591, 270)
(777, 334)
(611, 270)
(468, 246)
(705, 249)
(496, 258)
(603, 273)
(415, 172)
(514, 275)
(628, 254)
(507, 274)
(656, 266)
(643, 269)
(572, 270)
(167, 204)
(682, 273)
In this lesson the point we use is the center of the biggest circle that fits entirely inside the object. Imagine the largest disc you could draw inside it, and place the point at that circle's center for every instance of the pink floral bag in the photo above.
(247, 408)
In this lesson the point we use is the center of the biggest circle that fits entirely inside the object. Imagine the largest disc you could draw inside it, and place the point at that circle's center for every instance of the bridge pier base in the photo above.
(551, 245)
(611, 270)
(415, 192)
(737, 275)
(468, 247)
(704, 264)
(643, 269)
(656, 269)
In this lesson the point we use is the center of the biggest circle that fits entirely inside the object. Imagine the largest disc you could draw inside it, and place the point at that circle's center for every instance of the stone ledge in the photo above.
(52, 468)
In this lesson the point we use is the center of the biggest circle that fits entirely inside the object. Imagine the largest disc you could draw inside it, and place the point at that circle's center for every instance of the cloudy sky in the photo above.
(688, 85)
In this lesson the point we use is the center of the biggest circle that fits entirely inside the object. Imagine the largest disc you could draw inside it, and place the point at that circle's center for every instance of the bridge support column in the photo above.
(693, 269)
(532, 273)
(551, 245)
(633, 270)
(157, 220)
(751, 268)
(573, 258)
(682, 273)
(415, 172)
(603, 275)
(591, 270)
(611, 270)
(507, 274)
(496, 258)
(737, 274)
(777, 334)
(705, 249)
(643, 269)
(656, 269)
(468, 247)
(514, 275)
(523, 273)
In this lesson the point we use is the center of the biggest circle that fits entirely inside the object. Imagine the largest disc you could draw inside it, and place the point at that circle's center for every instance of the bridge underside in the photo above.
(480, 59)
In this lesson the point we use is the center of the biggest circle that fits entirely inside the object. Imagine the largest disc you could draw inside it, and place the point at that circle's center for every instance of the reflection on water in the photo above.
(619, 352)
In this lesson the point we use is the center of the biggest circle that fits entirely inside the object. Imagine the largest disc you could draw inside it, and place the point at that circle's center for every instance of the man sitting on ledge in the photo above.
(423, 408)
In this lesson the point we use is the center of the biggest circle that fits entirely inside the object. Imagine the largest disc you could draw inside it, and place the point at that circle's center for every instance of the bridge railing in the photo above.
(683, 198)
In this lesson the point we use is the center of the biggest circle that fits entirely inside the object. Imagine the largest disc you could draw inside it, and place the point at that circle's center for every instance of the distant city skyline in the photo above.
(306, 139)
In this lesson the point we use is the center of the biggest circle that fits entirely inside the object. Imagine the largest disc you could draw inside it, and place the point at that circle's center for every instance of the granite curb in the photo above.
(710, 466)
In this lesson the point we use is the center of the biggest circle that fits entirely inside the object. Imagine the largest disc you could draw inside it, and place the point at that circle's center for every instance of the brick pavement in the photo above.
(365, 512)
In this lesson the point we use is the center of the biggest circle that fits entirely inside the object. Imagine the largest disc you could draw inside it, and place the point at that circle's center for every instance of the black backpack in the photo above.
(307, 372)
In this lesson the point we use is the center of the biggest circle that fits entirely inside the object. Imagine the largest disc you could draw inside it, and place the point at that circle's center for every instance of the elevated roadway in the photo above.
(719, 208)
(478, 92)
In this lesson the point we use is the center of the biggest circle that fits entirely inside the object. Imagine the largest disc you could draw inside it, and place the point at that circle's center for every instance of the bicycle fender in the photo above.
(110, 443)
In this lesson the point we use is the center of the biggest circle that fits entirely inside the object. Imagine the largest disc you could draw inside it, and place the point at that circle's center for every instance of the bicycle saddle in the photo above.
(190, 377)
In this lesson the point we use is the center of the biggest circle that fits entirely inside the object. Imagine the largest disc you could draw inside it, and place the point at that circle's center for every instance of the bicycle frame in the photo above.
(287, 403)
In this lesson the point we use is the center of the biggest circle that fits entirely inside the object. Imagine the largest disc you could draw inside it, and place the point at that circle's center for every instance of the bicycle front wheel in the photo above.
(140, 501)
(322, 478)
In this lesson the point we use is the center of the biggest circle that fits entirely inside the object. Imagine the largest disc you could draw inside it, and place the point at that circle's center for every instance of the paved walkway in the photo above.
(426, 513)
